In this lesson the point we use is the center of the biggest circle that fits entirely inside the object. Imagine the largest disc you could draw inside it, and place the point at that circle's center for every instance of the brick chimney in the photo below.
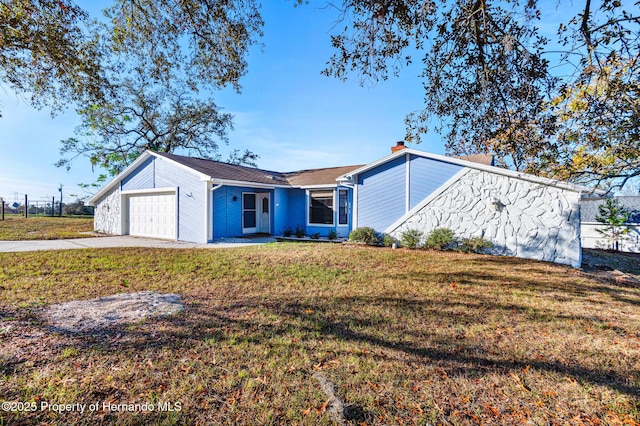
(399, 146)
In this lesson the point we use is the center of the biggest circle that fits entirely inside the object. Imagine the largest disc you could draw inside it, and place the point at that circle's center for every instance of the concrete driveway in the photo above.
(122, 241)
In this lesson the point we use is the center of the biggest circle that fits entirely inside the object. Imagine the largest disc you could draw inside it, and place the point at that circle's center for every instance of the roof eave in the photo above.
(229, 182)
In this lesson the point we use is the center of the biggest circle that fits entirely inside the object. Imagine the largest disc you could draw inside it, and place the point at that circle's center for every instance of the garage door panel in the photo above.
(152, 215)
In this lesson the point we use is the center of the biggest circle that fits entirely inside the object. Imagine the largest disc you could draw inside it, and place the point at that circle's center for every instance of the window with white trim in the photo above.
(321, 207)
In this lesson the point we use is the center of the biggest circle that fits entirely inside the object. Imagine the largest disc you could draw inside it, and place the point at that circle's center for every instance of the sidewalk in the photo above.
(122, 241)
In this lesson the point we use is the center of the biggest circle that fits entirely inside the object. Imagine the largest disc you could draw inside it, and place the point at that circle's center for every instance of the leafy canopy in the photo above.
(496, 83)
(47, 54)
(142, 77)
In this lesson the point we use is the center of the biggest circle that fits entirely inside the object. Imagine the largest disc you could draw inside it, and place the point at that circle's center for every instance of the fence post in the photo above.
(53, 203)
(2, 202)
(26, 206)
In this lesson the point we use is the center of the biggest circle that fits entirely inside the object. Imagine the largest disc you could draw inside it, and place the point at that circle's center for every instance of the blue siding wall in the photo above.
(191, 198)
(382, 194)
(280, 208)
(289, 209)
(382, 191)
(142, 178)
(227, 212)
(427, 175)
(220, 212)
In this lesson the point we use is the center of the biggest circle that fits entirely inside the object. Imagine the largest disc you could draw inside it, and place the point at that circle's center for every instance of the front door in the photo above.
(263, 217)
(255, 212)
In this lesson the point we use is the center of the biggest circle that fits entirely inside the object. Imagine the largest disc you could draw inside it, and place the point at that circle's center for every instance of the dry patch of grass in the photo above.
(15, 228)
(410, 337)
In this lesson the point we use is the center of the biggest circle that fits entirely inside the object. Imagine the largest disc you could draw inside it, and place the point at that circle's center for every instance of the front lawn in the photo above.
(408, 337)
(17, 228)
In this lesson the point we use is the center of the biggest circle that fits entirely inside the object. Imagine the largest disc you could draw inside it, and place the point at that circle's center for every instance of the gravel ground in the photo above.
(95, 314)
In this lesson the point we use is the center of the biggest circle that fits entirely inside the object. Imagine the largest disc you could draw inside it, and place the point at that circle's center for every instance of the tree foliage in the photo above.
(46, 53)
(142, 77)
(114, 134)
(200, 42)
(54, 52)
(76, 208)
(491, 81)
(598, 139)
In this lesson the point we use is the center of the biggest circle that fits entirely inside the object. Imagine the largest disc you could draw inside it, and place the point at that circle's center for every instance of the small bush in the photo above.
(388, 240)
(300, 231)
(332, 235)
(474, 245)
(440, 239)
(287, 232)
(315, 236)
(411, 238)
(364, 235)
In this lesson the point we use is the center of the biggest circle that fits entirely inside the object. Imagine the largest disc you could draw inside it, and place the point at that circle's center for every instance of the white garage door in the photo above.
(152, 215)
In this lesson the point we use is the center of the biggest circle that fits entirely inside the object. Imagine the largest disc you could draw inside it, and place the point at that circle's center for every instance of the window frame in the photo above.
(335, 207)
(309, 206)
(346, 207)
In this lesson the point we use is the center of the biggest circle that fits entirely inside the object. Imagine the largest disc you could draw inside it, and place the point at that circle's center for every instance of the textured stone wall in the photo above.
(107, 213)
(521, 218)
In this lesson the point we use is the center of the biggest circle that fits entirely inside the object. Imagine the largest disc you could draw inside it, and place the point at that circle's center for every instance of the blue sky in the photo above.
(288, 113)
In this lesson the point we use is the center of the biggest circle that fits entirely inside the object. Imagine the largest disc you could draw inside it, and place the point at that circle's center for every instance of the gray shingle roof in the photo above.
(318, 176)
(226, 171)
(589, 208)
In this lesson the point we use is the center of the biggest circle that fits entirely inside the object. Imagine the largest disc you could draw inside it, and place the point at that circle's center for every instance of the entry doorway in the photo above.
(256, 213)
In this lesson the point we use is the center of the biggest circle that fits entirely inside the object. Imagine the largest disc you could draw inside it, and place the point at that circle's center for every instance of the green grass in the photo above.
(408, 337)
(17, 228)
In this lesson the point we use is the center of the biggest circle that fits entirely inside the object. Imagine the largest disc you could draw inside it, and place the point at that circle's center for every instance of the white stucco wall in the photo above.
(107, 213)
(532, 220)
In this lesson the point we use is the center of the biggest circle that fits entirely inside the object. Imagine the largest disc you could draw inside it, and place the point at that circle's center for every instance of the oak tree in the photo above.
(141, 77)
(492, 77)
(47, 54)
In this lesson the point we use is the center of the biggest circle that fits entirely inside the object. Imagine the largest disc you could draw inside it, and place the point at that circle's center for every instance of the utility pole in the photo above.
(60, 189)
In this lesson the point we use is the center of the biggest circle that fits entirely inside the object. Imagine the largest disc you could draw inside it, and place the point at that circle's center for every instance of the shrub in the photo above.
(332, 234)
(315, 236)
(411, 238)
(300, 231)
(287, 232)
(364, 235)
(388, 240)
(474, 245)
(440, 239)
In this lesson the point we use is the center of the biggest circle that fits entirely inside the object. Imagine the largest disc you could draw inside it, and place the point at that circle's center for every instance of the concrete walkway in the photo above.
(122, 241)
